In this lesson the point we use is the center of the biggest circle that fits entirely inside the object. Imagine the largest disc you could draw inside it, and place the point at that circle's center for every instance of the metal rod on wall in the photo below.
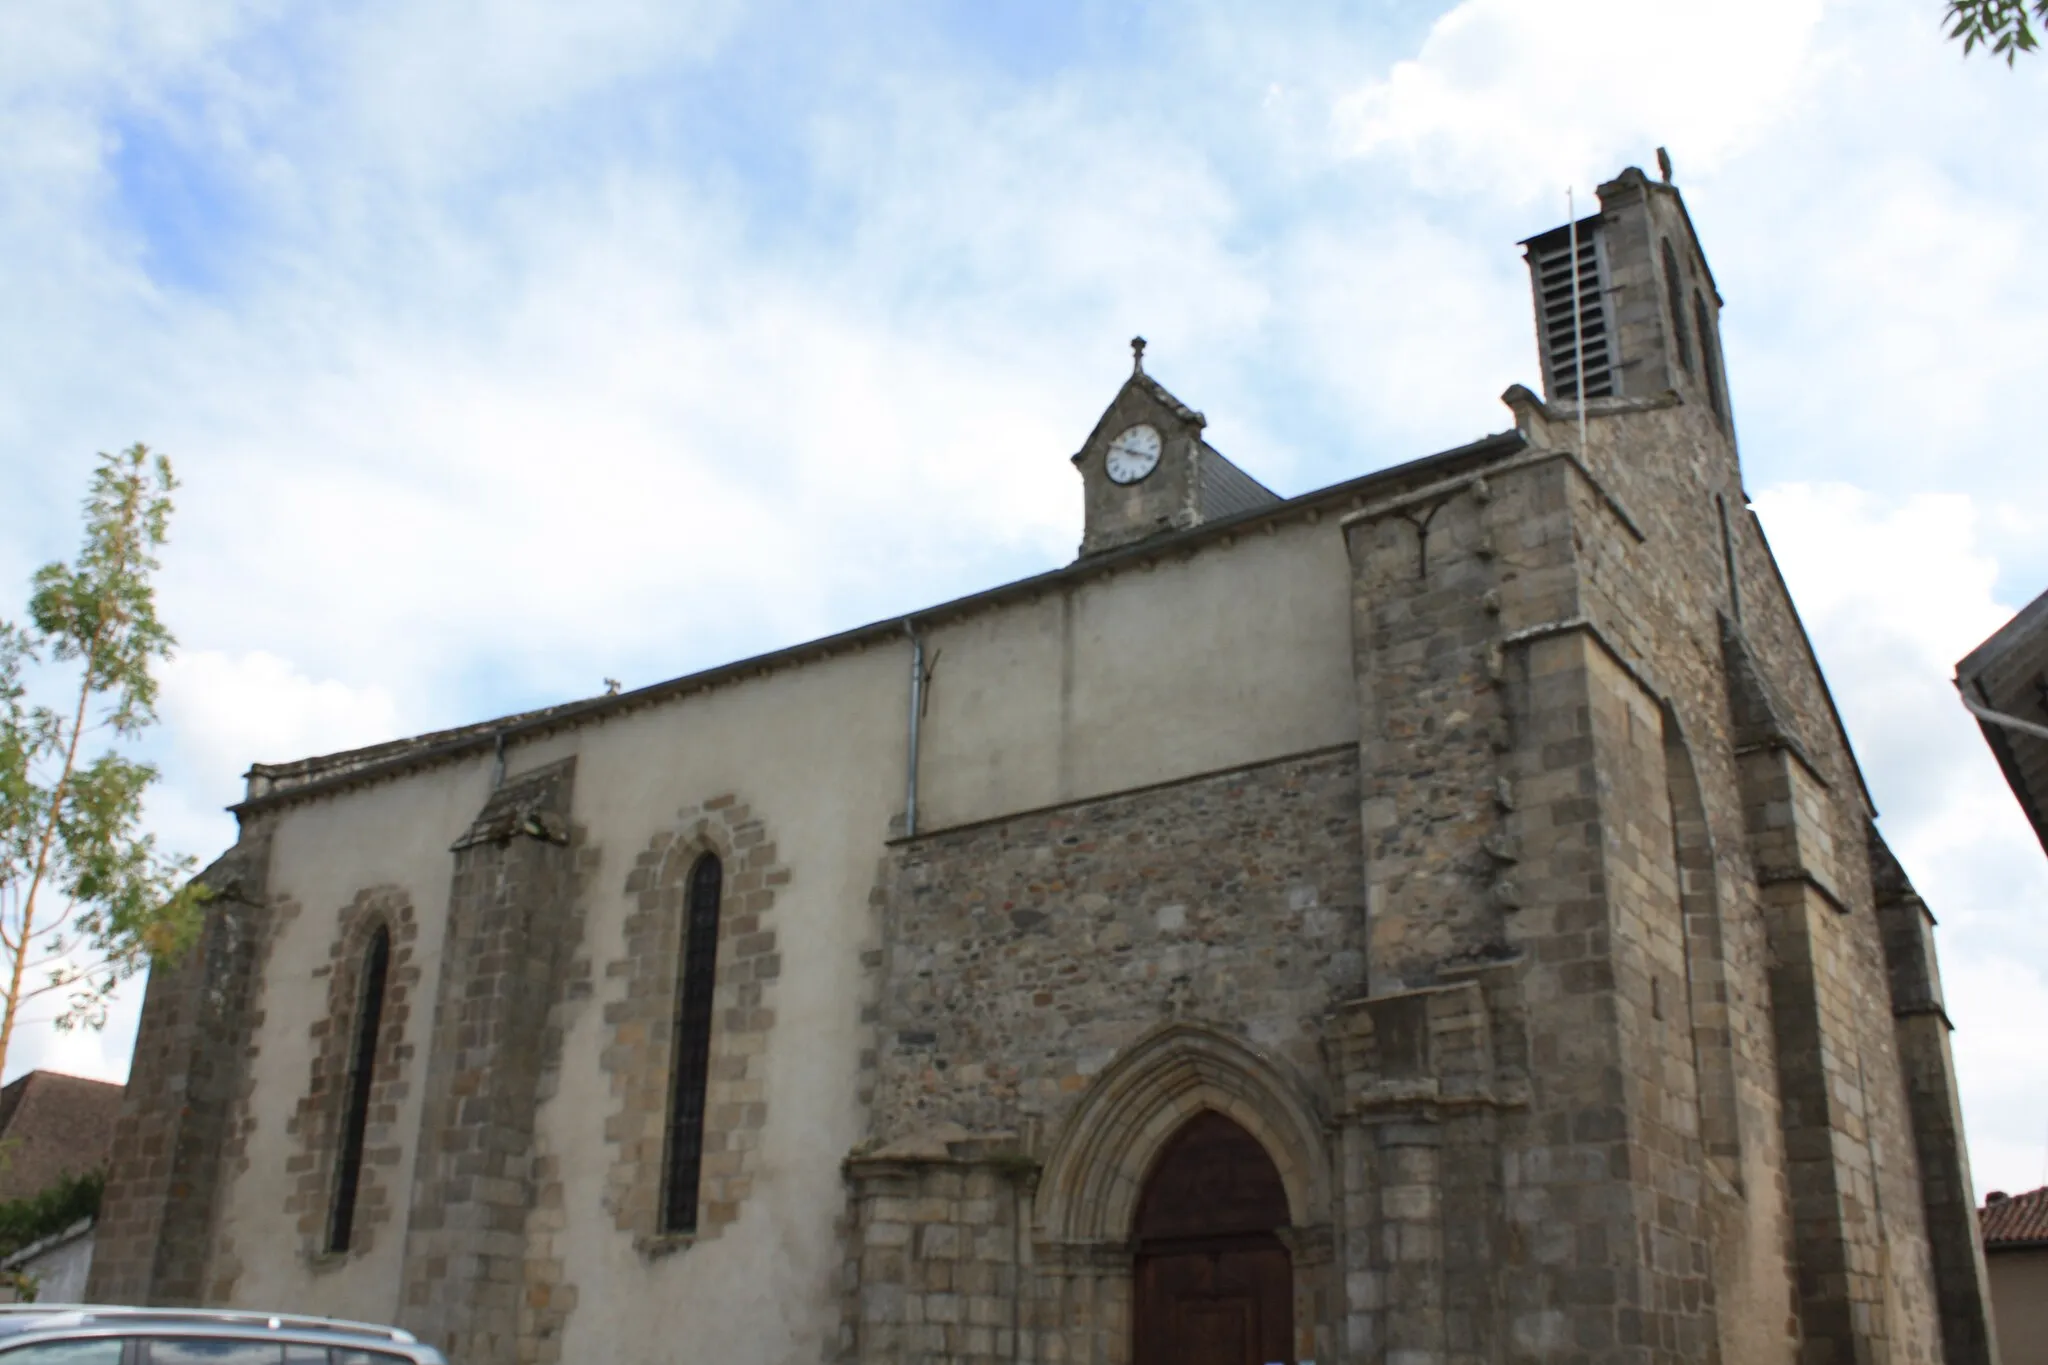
(916, 717)
(1571, 217)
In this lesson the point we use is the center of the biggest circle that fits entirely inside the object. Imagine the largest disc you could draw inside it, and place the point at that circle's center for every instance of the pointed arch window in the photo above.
(1707, 358)
(355, 1118)
(1675, 296)
(697, 976)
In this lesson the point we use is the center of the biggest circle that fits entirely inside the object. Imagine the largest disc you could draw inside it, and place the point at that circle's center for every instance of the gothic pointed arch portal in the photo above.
(1104, 1196)
(1214, 1283)
(1088, 1193)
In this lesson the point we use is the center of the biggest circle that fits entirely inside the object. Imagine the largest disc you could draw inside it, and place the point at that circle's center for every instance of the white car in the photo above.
(97, 1334)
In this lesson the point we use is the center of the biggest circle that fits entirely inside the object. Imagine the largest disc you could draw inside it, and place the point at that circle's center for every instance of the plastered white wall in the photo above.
(1229, 655)
(393, 834)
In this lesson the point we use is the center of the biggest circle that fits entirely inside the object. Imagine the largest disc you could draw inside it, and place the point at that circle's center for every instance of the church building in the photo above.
(1435, 920)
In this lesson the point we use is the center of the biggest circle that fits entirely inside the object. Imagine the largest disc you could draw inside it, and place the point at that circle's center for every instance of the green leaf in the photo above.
(86, 897)
(2003, 26)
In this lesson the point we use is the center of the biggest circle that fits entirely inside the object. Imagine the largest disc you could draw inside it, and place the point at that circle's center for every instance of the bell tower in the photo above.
(1146, 471)
(1648, 314)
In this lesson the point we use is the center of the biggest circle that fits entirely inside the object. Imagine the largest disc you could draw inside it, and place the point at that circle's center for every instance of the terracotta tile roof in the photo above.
(53, 1125)
(2015, 1220)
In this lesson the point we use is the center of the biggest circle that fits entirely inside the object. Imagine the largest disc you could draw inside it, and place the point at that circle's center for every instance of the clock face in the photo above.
(1133, 455)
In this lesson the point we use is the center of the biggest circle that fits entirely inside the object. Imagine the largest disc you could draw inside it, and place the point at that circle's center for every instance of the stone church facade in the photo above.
(1433, 919)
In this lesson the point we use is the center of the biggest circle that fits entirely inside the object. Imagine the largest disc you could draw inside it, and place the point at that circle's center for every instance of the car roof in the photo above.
(21, 1321)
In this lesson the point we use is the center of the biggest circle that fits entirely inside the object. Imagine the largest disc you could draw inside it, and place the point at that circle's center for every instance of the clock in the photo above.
(1133, 455)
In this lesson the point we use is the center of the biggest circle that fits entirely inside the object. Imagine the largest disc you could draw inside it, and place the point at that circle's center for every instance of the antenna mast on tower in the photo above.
(1571, 218)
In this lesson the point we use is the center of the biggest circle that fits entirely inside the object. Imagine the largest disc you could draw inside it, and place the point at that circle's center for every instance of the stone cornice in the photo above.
(925, 836)
(1476, 481)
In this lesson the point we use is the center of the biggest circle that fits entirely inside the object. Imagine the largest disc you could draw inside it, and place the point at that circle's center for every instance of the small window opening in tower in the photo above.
(1675, 295)
(696, 979)
(355, 1120)
(1728, 559)
(1554, 279)
(1711, 372)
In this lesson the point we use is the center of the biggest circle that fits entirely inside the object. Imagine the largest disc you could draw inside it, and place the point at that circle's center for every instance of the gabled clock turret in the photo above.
(1147, 471)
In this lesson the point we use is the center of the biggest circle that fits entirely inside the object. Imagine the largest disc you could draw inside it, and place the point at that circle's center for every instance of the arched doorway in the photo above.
(1215, 1285)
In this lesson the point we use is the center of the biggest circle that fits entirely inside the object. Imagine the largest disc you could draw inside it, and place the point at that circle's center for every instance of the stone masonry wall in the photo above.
(1655, 988)
(1520, 823)
(154, 1237)
(640, 1055)
(1023, 955)
(943, 1263)
(1425, 1107)
(1793, 883)
(1135, 953)
(317, 1123)
(1947, 1193)
(513, 931)
(225, 1264)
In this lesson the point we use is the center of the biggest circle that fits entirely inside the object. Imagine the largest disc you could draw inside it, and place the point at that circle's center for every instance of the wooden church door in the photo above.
(1215, 1285)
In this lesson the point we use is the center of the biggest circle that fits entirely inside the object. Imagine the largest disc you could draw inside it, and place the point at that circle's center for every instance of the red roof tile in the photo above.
(2017, 1220)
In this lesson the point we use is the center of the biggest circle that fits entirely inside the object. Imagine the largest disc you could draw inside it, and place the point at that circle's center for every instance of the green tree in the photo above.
(86, 898)
(2001, 25)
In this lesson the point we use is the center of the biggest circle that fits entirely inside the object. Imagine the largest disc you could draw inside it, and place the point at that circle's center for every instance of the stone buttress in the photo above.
(155, 1235)
(512, 932)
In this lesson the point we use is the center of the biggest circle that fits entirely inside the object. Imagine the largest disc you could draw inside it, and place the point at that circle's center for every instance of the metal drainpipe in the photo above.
(916, 717)
(1016, 1270)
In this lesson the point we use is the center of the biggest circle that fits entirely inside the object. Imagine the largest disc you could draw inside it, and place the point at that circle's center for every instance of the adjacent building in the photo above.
(1433, 918)
(2004, 683)
(54, 1128)
(2016, 1252)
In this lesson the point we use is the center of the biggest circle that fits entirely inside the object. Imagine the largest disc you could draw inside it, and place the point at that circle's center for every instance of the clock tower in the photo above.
(1146, 471)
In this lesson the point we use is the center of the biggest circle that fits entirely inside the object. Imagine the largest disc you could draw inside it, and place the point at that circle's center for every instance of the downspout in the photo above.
(916, 717)
(1016, 1270)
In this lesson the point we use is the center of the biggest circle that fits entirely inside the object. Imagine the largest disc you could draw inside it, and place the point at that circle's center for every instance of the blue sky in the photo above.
(507, 347)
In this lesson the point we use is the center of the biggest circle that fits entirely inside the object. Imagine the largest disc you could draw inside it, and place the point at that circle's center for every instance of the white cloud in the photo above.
(1399, 320)
(521, 345)
(608, 423)
(219, 712)
(214, 705)
(1521, 99)
(1893, 593)
(101, 1053)
(416, 111)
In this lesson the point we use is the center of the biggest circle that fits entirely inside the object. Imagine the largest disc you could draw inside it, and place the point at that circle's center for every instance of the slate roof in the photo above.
(51, 1126)
(2019, 1220)
(1227, 490)
(2008, 673)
